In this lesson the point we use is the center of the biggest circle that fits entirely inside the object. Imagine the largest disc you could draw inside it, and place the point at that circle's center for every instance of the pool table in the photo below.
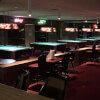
(73, 43)
(90, 41)
(46, 46)
(14, 52)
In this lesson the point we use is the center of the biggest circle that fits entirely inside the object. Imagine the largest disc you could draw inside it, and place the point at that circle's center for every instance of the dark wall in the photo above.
(61, 34)
(45, 36)
(74, 35)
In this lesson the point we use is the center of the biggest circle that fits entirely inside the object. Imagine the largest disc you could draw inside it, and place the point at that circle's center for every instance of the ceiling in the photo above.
(51, 9)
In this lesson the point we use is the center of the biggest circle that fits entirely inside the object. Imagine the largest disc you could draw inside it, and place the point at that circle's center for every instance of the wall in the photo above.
(3, 37)
(29, 34)
(69, 35)
(52, 37)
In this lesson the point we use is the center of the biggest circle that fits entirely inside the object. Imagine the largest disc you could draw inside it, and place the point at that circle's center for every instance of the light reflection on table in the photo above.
(6, 61)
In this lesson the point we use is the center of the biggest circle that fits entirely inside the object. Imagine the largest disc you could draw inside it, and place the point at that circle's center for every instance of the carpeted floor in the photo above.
(83, 84)
(86, 84)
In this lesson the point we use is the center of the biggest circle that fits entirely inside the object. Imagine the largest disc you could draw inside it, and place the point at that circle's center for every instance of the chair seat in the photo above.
(34, 72)
(92, 52)
(34, 65)
(92, 55)
(88, 51)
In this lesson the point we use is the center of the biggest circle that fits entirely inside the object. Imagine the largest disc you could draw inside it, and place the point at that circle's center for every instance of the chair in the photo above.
(62, 66)
(67, 49)
(92, 54)
(23, 80)
(54, 86)
(71, 59)
(40, 68)
(43, 65)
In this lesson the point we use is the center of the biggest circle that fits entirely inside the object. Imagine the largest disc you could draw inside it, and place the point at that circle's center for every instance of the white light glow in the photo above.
(18, 20)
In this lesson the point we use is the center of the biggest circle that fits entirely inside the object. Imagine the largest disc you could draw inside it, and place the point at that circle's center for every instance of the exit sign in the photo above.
(41, 22)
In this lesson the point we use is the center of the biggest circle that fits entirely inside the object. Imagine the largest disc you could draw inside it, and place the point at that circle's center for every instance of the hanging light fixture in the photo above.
(59, 18)
(59, 13)
(97, 20)
(30, 8)
(30, 15)
(86, 20)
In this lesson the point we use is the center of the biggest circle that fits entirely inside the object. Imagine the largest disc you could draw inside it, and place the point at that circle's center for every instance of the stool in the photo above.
(34, 72)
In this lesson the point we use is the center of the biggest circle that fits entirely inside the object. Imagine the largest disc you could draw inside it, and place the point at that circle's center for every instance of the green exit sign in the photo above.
(41, 22)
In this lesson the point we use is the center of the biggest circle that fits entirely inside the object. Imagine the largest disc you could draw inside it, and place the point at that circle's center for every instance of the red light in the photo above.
(47, 29)
(86, 29)
(71, 29)
(95, 26)
(15, 26)
(5, 26)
